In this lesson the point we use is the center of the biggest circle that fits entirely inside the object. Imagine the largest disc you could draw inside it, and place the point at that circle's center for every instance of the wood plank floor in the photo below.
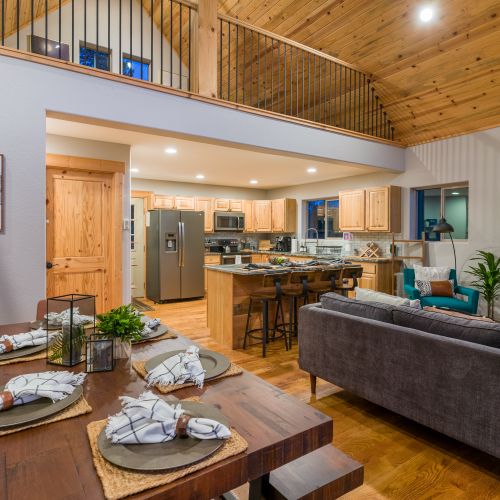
(403, 460)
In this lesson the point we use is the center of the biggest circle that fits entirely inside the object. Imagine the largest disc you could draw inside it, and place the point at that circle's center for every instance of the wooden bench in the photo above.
(322, 474)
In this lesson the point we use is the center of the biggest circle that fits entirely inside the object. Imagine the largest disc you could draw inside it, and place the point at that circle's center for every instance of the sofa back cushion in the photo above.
(470, 330)
(369, 310)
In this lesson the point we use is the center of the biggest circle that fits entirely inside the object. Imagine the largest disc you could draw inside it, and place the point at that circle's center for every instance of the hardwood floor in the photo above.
(403, 460)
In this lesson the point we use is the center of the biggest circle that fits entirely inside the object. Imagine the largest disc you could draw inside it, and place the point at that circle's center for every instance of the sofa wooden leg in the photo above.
(312, 379)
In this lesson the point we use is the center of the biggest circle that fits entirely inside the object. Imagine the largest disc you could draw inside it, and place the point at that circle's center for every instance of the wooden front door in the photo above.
(81, 239)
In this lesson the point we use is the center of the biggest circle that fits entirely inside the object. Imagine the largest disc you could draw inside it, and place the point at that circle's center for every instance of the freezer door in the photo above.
(192, 249)
(170, 271)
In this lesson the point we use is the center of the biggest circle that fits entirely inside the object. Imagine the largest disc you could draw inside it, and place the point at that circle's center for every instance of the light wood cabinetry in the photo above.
(284, 216)
(163, 201)
(352, 210)
(249, 218)
(376, 276)
(210, 260)
(224, 205)
(262, 216)
(206, 205)
(236, 205)
(383, 209)
(184, 202)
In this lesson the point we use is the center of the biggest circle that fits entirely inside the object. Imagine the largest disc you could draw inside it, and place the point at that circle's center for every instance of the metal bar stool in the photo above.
(271, 291)
(298, 289)
(349, 279)
(328, 282)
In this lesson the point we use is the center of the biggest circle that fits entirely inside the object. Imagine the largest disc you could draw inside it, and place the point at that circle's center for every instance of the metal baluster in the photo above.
(279, 76)
(171, 44)
(291, 80)
(141, 10)
(265, 72)
(189, 49)
(363, 113)
(314, 88)
(272, 74)
(297, 82)
(385, 125)
(334, 94)
(258, 70)
(308, 85)
(330, 97)
(340, 97)
(351, 114)
(180, 46)
(228, 61)
(130, 73)
(46, 24)
(303, 83)
(3, 22)
(244, 63)
(388, 129)
(32, 19)
(392, 133)
(284, 77)
(161, 41)
(324, 94)
(151, 67)
(251, 68)
(97, 26)
(237, 67)
(72, 27)
(376, 115)
(359, 102)
(109, 35)
(220, 64)
(17, 23)
(59, 33)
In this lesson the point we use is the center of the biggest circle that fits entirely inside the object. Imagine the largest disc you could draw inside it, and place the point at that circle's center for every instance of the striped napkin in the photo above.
(149, 419)
(26, 388)
(149, 327)
(20, 340)
(78, 319)
(178, 369)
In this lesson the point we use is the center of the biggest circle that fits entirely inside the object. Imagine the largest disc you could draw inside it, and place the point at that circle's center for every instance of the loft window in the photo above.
(323, 215)
(450, 202)
(94, 57)
(135, 67)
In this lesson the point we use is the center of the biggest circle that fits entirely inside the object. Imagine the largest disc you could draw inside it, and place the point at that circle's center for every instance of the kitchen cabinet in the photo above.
(184, 203)
(224, 205)
(284, 216)
(248, 211)
(206, 205)
(262, 216)
(376, 276)
(352, 210)
(383, 209)
(210, 260)
(163, 201)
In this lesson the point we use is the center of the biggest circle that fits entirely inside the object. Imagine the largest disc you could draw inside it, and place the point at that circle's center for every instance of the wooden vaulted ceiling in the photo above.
(436, 80)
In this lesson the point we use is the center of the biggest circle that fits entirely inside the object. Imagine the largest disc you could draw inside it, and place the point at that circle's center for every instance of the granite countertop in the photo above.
(351, 258)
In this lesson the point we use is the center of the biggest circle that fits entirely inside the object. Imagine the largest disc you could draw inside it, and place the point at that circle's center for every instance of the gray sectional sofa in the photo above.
(440, 371)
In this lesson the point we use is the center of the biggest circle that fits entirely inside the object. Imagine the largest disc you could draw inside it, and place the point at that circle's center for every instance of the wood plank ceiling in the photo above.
(436, 80)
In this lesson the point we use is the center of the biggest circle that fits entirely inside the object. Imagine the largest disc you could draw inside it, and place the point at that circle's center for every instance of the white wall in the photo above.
(71, 146)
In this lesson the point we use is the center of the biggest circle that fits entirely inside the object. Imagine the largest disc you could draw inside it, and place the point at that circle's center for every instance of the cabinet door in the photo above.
(248, 211)
(184, 203)
(164, 201)
(236, 205)
(352, 210)
(221, 205)
(206, 205)
(377, 209)
(278, 216)
(262, 216)
(368, 281)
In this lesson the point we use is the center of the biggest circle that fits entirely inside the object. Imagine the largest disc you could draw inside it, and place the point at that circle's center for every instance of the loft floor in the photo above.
(402, 459)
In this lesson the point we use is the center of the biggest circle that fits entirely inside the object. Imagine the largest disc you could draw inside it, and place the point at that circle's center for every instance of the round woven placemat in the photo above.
(166, 335)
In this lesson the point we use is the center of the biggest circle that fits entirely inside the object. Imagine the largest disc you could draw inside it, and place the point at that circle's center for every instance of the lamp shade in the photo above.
(443, 227)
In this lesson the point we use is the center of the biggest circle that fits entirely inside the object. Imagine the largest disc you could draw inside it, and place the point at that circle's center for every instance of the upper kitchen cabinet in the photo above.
(352, 210)
(163, 201)
(249, 216)
(383, 209)
(225, 205)
(184, 202)
(206, 205)
(284, 216)
(262, 216)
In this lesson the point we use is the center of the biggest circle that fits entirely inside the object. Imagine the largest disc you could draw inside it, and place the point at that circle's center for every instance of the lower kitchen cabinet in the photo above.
(210, 260)
(376, 276)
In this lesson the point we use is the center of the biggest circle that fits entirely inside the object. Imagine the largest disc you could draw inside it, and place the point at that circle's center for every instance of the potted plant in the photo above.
(487, 279)
(124, 324)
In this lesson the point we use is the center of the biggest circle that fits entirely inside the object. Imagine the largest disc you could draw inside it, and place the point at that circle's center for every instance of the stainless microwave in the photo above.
(229, 221)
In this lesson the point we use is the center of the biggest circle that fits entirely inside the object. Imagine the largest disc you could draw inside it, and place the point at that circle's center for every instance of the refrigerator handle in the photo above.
(181, 244)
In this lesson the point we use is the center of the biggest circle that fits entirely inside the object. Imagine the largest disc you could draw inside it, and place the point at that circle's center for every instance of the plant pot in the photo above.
(123, 350)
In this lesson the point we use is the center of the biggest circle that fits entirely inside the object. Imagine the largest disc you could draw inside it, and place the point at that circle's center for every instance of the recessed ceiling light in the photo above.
(134, 170)
(312, 170)
(426, 14)
(200, 176)
(171, 151)
(455, 193)
(254, 181)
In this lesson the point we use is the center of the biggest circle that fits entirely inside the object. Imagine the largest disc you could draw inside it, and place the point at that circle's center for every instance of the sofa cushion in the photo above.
(369, 310)
(367, 295)
(470, 330)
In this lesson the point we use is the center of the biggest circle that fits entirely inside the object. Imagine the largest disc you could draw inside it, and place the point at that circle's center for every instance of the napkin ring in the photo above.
(8, 345)
(181, 426)
(6, 400)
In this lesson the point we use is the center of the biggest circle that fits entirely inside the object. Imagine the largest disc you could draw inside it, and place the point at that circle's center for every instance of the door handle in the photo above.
(181, 244)
(49, 265)
(183, 250)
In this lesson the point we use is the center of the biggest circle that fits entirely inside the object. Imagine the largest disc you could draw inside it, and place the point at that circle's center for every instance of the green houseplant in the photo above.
(487, 278)
(124, 324)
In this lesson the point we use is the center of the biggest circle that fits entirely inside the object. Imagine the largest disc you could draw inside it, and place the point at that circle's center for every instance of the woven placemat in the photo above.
(119, 483)
(80, 407)
(38, 355)
(166, 335)
(140, 368)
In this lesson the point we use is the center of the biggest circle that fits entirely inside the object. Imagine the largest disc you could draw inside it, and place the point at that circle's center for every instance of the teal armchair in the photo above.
(468, 306)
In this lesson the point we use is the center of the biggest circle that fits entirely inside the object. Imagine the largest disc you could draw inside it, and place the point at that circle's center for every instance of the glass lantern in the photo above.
(100, 353)
(68, 318)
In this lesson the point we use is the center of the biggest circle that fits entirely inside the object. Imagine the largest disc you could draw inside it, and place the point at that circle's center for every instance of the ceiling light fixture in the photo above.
(171, 151)
(134, 170)
(254, 181)
(312, 170)
(426, 14)
(200, 176)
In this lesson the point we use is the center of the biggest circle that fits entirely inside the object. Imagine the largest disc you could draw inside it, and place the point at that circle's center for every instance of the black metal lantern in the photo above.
(100, 353)
(68, 318)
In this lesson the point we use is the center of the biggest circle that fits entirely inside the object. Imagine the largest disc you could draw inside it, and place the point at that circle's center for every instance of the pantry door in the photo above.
(83, 246)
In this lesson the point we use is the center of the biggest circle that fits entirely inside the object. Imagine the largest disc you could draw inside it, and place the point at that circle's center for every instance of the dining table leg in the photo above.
(258, 487)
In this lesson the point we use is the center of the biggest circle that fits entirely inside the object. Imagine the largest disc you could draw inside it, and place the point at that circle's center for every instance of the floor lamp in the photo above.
(442, 227)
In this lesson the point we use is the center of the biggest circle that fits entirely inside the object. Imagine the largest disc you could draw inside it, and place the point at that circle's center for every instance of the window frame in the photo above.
(305, 219)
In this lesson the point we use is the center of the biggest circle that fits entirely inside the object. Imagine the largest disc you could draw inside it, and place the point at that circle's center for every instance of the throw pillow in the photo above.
(443, 288)
(431, 273)
(367, 295)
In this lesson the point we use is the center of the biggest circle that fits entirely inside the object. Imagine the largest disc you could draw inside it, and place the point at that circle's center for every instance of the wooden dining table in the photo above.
(55, 462)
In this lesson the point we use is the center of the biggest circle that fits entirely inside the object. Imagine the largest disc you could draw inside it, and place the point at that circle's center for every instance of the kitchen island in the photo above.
(228, 291)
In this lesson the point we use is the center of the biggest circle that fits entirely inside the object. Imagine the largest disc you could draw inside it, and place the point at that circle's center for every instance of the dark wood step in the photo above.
(322, 474)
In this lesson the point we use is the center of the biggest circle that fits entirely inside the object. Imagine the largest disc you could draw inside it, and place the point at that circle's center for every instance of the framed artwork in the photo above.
(1, 192)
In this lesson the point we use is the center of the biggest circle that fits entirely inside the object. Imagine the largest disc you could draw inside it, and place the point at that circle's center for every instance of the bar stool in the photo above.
(329, 281)
(265, 295)
(349, 279)
(299, 289)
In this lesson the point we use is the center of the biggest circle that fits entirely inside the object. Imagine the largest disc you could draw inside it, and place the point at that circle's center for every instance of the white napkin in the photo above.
(178, 369)
(79, 319)
(150, 326)
(21, 340)
(149, 419)
(52, 385)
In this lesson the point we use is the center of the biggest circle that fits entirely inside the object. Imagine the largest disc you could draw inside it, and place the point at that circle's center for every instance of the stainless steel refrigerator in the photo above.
(174, 255)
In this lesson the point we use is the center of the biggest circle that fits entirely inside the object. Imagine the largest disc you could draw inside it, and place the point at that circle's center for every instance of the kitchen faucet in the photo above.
(317, 236)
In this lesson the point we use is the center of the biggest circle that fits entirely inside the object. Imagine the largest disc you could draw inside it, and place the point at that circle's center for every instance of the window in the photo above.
(452, 203)
(95, 57)
(132, 66)
(323, 215)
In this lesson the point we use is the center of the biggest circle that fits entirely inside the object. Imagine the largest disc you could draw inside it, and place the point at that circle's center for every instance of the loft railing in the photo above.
(260, 69)
(149, 40)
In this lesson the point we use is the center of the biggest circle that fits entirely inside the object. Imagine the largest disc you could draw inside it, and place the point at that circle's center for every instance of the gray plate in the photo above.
(36, 410)
(213, 363)
(19, 353)
(169, 455)
(160, 330)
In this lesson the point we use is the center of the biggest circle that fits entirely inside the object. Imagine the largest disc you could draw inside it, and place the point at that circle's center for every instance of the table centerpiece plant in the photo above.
(123, 324)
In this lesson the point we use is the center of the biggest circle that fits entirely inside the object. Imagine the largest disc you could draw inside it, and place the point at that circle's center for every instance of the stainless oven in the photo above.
(229, 221)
